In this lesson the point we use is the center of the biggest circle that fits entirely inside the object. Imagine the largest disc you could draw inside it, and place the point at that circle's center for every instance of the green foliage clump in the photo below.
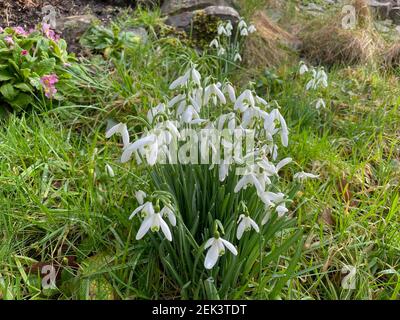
(24, 59)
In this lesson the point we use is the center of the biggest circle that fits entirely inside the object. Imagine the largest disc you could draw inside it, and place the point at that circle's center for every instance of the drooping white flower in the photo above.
(149, 140)
(320, 104)
(242, 24)
(153, 222)
(211, 90)
(301, 176)
(284, 132)
(228, 26)
(109, 170)
(245, 100)
(140, 196)
(231, 92)
(216, 249)
(223, 171)
(281, 210)
(196, 77)
(122, 129)
(221, 51)
(246, 224)
(180, 81)
(244, 32)
(271, 198)
(303, 68)
(221, 30)
(251, 29)
(283, 163)
(169, 213)
(237, 57)
(154, 111)
(177, 99)
(252, 179)
(146, 209)
(214, 43)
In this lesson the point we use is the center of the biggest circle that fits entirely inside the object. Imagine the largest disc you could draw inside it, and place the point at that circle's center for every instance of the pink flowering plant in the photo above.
(32, 67)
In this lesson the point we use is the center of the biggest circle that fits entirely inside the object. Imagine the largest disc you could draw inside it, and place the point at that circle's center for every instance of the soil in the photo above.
(27, 13)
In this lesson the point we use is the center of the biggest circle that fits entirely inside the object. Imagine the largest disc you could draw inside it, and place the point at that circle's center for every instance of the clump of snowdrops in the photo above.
(229, 41)
(317, 79)
(213, 207)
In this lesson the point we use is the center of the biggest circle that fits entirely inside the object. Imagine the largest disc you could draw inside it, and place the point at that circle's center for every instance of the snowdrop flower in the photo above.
(270, 198)
(237, 57)
(145, 209)
(284, 132)
(228, 26)
(252, 179)
(177, 99)
(223, 171)
(122, 129)
(230, 91)
(221, 30)
(140, 196)
(154, 111)
(169, 213)
(320, 104)
(196, 77)
(303, 68)
(109, 170)
(150, 140)
(180, 81)
(191, 116)
(281, 210)
(216, 249)
(211, 90)
(221, 51)
(283, 163)
(322, 78)
(214, 44)
(242, 24)
(153, 222)
(246, 224)
(244, 100)
(262, 101)
(251, 29)
(244, 32)
(301, 176)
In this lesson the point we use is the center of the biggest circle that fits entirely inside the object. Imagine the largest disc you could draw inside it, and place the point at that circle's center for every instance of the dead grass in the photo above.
(270, 45)
(391, 56)
(325, 41)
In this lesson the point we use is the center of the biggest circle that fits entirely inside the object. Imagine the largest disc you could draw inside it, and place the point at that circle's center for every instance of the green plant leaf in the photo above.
(8, 92)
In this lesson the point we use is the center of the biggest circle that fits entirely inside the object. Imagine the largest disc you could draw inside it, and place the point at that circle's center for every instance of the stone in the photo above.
(381, 9)
(77, 23)
(184, 20)
(173, 7)
(72, 28)
(394, 15)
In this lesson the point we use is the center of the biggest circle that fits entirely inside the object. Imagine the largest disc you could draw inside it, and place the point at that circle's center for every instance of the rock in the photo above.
(381, 8)
(184, 20)
(79, 23)
(394, 15)
(173, 7)
(73, 27)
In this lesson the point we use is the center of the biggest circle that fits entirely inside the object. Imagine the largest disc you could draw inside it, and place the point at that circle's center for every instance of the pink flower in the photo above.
(24, 52)
(49, 33)
(1, 30)
(48, 82)
(9, 40)
(20, 31)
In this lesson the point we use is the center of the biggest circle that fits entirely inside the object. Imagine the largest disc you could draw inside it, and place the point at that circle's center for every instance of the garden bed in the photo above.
(28, 13)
